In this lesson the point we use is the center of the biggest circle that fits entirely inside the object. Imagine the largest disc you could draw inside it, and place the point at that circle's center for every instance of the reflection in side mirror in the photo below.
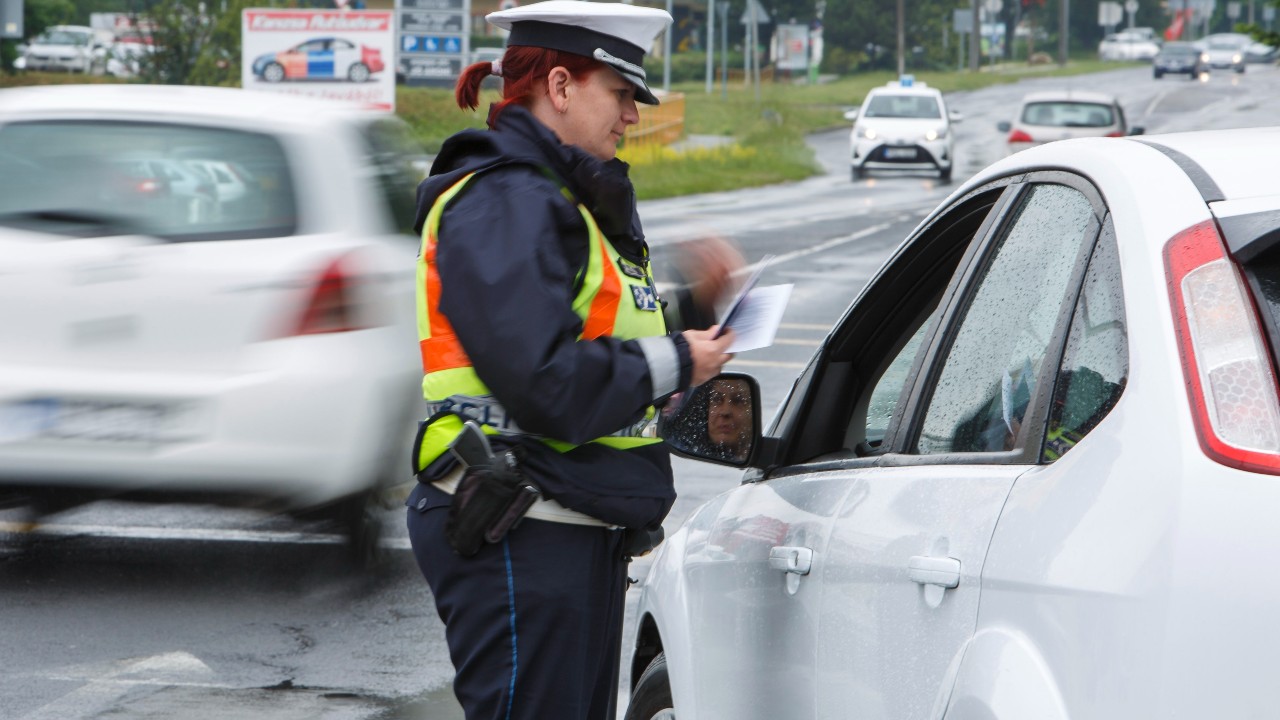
(717, 421)
(955, 117)
(1004, 126)
(851, 115)
(1137, 130)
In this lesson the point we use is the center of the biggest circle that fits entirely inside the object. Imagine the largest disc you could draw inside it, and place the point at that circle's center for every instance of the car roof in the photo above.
(895, 89)
(161, 102)
(1068, 96)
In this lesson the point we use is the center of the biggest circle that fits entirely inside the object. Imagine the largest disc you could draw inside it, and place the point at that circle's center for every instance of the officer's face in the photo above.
(599, 110)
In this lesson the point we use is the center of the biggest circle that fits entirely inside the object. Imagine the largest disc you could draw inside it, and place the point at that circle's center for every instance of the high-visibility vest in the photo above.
(608, 302)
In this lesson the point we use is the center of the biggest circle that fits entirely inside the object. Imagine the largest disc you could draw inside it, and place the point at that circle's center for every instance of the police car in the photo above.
(163, 340)
(1033, 472)
(903, 126)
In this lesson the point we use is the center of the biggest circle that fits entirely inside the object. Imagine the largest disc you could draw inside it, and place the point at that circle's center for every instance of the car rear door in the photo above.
(966, 413)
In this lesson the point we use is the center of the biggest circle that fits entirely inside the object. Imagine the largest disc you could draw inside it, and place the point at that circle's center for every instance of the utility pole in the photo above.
(711, 43)
(902, 58)
(666, 54)
(975, 37)
(1063, 31)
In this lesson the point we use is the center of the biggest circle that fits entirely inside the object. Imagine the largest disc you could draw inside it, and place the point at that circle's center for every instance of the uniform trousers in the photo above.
(533, 623)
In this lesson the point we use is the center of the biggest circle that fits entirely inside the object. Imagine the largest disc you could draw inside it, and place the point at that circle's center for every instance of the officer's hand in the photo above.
(708, 352)
(708, 265)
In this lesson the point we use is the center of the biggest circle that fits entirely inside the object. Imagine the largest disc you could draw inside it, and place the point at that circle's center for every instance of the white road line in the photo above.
(804, 326)
(806, 343)
(141, 532)
(102, 689)
(768, 363)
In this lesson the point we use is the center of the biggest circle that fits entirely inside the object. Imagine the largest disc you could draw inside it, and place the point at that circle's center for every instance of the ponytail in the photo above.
(521, 68)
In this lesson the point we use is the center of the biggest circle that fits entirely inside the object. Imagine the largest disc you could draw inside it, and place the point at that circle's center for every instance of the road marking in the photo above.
(141, 532)
(804, 326)
(103, 689)
(807, 343)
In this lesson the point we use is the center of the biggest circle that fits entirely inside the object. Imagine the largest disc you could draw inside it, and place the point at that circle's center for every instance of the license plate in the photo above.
(81, 420)
(900, 153)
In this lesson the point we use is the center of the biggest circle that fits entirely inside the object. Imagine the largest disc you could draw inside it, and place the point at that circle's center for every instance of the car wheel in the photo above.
(651, 700)
(360, 522)
(857, 174)
(1158, 74)
(944, 176)
(1240, 70)
(358, 73)
(273, 72)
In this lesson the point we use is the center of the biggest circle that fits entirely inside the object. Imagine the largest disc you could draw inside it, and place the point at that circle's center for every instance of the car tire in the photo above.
(857, 174)
(651, 700)
(273, 72)
(358, 73)
(944, 176)
(1158, 74)
(1240, 70)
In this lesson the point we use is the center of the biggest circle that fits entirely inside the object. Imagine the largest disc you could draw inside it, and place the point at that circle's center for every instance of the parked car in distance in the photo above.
(1128, 46)
(1180, 58)
(170, 334)
(1031, 473)
(320, 59)
(70, 48)
(903, 126)
(125, 59)
(1062, 115)
(1226, 50)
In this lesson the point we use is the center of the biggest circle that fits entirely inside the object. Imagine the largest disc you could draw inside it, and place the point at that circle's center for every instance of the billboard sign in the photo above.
(434, 40)
(11, 19)
(336, 54)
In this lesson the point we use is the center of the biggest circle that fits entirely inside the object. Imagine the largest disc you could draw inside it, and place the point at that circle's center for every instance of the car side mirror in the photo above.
(1137, 130)
(718, 421)
(955, 117)
(1004, 126)
(850, 115)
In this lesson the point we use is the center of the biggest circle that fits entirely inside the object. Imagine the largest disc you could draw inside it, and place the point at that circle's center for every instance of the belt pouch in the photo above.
(485, 506)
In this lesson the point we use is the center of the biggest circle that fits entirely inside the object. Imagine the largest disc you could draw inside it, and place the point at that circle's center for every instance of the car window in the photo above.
(888, 389)
(1095, 364)
(991, 370)
(141, 177)
(1068, 114)
(390, 153)
(903, 106)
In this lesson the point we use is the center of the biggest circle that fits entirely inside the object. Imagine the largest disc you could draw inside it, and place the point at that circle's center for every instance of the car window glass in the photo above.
(903, 106)
(888, 389)
(1095, 365)
(990, 372)
(1068, 114)
(391, 152)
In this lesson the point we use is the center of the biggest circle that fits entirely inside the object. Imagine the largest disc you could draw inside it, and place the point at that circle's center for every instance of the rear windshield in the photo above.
(1068, 114)
(903, 106)
(170, 181)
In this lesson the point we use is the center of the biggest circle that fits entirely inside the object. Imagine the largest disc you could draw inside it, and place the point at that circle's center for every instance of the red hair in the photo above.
(523, 67)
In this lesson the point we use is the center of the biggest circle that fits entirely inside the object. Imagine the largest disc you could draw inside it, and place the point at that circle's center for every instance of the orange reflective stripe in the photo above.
(604, 306)
(440, 351)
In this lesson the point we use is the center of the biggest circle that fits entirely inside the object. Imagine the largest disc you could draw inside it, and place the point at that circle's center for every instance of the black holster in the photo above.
(488, 502)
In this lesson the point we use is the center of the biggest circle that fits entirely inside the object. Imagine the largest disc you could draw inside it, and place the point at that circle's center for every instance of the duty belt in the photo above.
(489, 412)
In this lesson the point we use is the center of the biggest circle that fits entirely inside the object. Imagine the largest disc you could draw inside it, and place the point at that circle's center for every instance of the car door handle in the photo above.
(795, 560)
(941, 571)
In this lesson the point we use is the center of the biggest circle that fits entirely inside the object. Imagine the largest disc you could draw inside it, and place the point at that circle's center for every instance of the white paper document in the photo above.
(757, 316)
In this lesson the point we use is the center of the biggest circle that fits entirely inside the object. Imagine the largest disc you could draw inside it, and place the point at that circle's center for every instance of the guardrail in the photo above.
(659, 124)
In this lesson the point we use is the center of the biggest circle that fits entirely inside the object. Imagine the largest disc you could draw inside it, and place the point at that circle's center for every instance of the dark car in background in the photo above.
(1180, 58)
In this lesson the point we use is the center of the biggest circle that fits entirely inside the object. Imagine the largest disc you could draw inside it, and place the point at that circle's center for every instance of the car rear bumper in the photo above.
(301, 435)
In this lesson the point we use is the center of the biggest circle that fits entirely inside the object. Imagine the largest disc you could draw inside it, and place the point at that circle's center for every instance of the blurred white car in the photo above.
(904, 125)
(1033, 471)
(73, 48)
(1128, 46)
(1226, 50)
(263, 350)
(1053, 115)
(125, 59)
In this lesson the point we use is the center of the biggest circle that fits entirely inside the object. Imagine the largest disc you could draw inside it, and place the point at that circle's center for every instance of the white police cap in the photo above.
(617, 35)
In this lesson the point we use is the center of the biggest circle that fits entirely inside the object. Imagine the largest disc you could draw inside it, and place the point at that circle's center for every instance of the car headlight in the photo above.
(936, 134)
(1235, 58)
(869, 133)
(1204, 57)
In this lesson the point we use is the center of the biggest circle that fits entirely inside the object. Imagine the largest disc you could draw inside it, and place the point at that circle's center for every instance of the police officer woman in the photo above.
(539, 320)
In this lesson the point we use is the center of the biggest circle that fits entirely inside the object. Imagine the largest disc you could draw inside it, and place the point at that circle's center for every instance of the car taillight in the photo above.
(1018, 136)
(1115, 134)
(332, 306)
(1229, 376)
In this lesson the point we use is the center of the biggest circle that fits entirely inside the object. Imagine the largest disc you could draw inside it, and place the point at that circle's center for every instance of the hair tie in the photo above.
(495, 68)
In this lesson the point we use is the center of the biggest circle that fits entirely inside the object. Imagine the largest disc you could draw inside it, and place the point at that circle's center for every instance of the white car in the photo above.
(904, 125)
(125, 59)
(1053, 115)
(263, 350)
(73, 48)
(1226, 50)
(1128, 46)
(1031, 473)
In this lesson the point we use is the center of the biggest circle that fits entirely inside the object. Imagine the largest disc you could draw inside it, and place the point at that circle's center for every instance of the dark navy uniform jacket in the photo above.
(511, 248)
